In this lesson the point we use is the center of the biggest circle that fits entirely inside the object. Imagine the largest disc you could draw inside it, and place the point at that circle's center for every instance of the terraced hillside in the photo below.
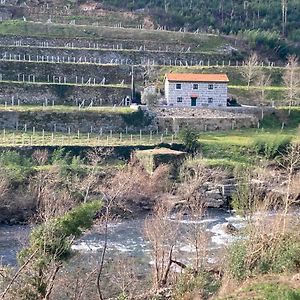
(50, 54)
(54, 54)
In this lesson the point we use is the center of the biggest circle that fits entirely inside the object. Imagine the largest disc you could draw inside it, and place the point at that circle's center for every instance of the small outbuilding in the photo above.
(153, 158)
(196, 90)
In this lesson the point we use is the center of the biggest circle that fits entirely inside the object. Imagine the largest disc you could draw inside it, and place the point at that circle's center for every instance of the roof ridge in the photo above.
(197, 77)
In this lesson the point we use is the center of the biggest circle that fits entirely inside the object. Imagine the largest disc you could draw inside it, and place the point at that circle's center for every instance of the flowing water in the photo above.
(126, 237)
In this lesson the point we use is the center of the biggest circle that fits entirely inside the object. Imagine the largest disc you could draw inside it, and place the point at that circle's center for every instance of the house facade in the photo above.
(196, 90)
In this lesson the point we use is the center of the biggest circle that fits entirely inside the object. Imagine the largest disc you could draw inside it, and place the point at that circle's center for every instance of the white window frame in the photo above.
(210, 100)
(195, 85)
(211, 86)
(176, 88)
(179, 99)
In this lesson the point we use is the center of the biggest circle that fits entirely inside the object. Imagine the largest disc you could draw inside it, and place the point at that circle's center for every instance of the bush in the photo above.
(243, 198)
(190, 286)
(68, 165)
(53, 238)
(263, 38)
(237, 260)
(270, 148)
(190, 139)
(264, 253)
(16, 166)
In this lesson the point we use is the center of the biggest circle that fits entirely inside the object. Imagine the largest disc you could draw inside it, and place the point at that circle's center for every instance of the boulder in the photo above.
(231, 229)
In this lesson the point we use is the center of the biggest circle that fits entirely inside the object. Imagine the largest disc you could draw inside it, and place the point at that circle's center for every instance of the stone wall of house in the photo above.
(215, 97)
(29, 93)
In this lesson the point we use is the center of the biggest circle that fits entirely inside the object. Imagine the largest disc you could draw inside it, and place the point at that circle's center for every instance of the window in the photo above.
(210, 86)
(195, 86)
(179, 99)
(178, 86)
(210, 100)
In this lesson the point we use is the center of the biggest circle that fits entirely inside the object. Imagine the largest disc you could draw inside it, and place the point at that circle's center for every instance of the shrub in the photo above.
(264, 253)
(68, 164)
(190, 286)
(237, 260)
(190, 139)
(243, 198)
(271, 147)
(16, 166)
(53, 238)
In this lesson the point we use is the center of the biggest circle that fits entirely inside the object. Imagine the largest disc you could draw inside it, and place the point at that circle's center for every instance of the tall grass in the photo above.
(271, 147)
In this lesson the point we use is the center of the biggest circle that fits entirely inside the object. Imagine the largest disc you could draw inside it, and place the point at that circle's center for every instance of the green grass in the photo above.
(21, 139)
(204, 42)
(229, 149)
(251, 96)
(66, 109)
(269, 290)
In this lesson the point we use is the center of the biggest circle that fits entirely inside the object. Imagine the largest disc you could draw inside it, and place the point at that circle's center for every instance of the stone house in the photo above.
(196, 90)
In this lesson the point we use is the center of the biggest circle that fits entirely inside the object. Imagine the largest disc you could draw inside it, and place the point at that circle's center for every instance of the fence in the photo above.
(9, 138)
(127, 62)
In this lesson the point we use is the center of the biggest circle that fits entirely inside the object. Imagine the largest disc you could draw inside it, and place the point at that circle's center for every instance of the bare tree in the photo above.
(124, 276)
(127, 186)
(284, 10)
(263, 82)
(291, 162)
(250, 69)
(162, 235)
(53, 199)
(291, 80)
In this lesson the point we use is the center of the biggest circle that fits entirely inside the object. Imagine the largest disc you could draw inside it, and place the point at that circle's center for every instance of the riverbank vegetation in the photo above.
(72, 193)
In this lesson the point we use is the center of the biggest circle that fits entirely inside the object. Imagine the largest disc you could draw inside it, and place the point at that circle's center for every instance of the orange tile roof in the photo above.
(197, 77)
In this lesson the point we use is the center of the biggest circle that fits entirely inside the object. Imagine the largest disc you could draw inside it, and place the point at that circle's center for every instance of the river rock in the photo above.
(231, 229)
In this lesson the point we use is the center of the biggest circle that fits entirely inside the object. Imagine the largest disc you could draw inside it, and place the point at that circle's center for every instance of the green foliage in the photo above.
(215, 16)
(202, 284)
(266, 39)
(271, 122)
(242, 199)
(190, 139)
(275, 291)
(49, 245)
(52, 239)
(69, 165)
(122, 296)
(137, 119)
(281, 256)
(272, 147)
(16, 166)
(237, 260)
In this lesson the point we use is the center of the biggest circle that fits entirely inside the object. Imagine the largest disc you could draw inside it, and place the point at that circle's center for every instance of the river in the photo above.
(125, 237)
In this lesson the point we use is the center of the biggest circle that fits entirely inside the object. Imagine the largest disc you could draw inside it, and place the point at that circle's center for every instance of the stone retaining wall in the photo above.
(81, 120)
(108, 43)
(175, 119)
(29, 93)
(258, 112)
(12, 70)
(117, 56)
